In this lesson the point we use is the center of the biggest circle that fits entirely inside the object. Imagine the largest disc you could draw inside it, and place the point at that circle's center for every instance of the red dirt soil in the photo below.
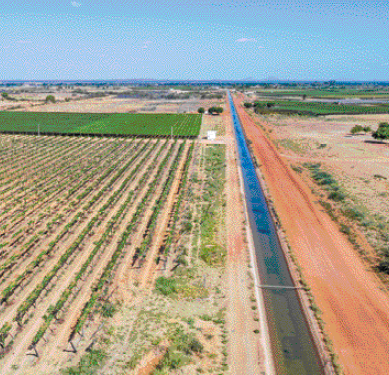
(355, 310)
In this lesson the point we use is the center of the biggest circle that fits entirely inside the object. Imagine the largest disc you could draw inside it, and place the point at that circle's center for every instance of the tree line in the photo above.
(381, 133)
(211, 110)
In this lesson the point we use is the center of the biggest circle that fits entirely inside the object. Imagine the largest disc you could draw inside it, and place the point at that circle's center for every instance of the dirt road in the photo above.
(355, 310)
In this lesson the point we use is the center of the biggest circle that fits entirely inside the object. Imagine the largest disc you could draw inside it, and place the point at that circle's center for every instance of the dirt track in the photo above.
(355, 310)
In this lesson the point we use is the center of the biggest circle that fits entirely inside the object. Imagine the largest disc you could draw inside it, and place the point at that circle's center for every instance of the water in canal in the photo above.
(292, 346)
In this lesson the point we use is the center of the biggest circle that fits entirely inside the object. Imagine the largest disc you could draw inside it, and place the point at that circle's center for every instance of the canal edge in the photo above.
(265, 337)
(296, 274)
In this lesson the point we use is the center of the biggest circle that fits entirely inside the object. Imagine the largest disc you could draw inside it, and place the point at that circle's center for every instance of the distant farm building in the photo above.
(211, 135)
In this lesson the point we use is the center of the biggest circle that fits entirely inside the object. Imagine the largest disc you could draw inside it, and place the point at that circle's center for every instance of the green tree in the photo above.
(382, 132)
(50, 99)
(259, 105)
(248, 104)
(356, 129)
(201, 110)
(367, 129)
(215, 110)
(5, 95)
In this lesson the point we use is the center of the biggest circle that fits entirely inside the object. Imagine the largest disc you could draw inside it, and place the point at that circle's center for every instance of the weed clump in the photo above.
(212, 252)
(178, 354)
(108, 309)
(326, 180)
(166, 286)
(89, 364)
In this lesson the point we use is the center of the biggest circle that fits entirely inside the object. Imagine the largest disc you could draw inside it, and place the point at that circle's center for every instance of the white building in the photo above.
(211, 135)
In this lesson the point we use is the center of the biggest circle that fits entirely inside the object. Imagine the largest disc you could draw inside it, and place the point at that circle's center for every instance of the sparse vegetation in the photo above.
(326, 180)
(88, 364)
(166, 286)
(212, 251)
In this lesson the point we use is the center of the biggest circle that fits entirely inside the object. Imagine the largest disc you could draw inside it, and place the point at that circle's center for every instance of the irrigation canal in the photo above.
(293, 349)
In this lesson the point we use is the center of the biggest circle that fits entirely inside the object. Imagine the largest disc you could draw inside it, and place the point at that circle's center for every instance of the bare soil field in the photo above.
(112, 104)
(67, 102)
(357, 162)
(351, 298)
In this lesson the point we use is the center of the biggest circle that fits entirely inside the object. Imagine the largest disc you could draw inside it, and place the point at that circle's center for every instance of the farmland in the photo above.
(311, 108)
(126, 124)
(76, 212)
(113, 251)
(336, 92)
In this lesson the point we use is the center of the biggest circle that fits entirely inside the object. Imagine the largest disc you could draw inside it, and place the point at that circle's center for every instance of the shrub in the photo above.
(189, 344)
(108, 309)
(367, 129)
(166, 286)
(50, 99)
(382, 131)
(345, 229)
(297, 169)
(215, 110)
(89, 364)
(354, 214)
(213, 255)
(383, 266)
(336, 196)
(323, 178)
(356, 129)
(312, 165)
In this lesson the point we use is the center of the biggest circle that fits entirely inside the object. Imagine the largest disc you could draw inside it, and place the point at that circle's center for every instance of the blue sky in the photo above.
(219, 39)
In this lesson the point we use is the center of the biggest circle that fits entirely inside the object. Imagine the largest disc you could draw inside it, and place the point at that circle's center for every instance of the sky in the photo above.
(194, 40)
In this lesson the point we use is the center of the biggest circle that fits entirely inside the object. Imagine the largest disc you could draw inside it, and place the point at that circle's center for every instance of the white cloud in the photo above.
(245, 40)
(75, 4)
(146, 44)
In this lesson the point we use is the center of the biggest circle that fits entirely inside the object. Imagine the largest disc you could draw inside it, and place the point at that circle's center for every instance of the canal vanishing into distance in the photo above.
(292, 346)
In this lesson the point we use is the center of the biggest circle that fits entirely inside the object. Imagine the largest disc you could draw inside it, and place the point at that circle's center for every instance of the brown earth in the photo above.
(354, 308)
(358, 163)
(109, 104)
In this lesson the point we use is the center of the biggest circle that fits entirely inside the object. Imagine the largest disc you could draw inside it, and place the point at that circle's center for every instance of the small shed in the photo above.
(211, 135)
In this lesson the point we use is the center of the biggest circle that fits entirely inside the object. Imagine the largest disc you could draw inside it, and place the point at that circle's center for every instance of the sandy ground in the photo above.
(355, 309)
(358, 163)
(109, 104)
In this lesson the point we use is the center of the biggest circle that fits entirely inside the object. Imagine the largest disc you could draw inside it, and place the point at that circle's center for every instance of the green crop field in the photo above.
(319, 109)
(182, 125)
(334, 93)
